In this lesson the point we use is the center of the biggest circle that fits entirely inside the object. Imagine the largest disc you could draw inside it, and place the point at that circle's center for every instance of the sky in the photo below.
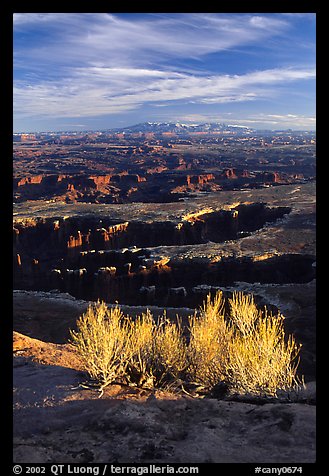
(96, 71)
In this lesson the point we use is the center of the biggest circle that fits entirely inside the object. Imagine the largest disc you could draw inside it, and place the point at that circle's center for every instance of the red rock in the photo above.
(30, 180)
(230, 174)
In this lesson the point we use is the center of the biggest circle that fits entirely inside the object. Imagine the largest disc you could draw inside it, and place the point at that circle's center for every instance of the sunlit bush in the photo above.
(244, 347)
(113, 347)
(262, 360)
(140, 365)
(170, 359)
(208, 349)
(101, 343)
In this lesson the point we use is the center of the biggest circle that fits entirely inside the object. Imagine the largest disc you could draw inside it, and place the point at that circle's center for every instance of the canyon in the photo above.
(158, 222)
(170, 255)
(95, 257)
(131, 167)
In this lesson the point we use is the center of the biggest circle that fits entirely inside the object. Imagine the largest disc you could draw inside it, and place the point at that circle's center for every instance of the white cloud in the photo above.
(290, 121)
(95, 64)
(99, 91)
(275, 121)
(266, 22)
(122, 41)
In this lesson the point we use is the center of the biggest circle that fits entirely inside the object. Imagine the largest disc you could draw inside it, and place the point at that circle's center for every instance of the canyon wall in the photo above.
(95, 257)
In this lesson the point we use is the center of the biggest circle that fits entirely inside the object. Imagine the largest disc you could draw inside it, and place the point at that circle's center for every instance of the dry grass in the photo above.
(246, 348)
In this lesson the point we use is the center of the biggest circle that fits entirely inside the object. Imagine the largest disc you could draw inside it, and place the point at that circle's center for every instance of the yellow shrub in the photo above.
(247, 349)
(101, 342)
(209, 343)
(243, 312)
(157, 351)
(140, 369)
(261, 360)
(169, 351)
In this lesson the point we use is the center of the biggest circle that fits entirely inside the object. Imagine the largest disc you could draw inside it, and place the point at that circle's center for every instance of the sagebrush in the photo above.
(237, 343)
(101, 343)
(262, 361)
(208, 349)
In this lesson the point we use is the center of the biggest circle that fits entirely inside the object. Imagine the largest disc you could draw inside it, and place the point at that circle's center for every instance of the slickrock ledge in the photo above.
(55, 421)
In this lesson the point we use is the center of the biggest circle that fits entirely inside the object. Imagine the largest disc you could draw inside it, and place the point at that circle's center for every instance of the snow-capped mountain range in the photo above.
(181, 128)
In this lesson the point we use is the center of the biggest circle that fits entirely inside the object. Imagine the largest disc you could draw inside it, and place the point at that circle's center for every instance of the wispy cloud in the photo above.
(94, 64)
(99, 91)
(253, 120)
(111, 40)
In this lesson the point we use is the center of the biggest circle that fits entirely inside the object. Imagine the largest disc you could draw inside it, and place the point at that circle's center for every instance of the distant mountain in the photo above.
(181, 128)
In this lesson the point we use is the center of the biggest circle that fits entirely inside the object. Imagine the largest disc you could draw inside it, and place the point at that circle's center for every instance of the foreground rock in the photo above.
(56, 421)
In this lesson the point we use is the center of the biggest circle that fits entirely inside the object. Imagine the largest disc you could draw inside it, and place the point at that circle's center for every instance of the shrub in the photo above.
(261, 360)
(243, 312)
(101, 343)
(208, 349)
(157, 351)
(170, 360)
(245, 347)
(114, 347)
(140, 367)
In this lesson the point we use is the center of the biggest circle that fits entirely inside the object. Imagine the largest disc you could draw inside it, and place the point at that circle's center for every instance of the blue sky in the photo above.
(93, 71)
